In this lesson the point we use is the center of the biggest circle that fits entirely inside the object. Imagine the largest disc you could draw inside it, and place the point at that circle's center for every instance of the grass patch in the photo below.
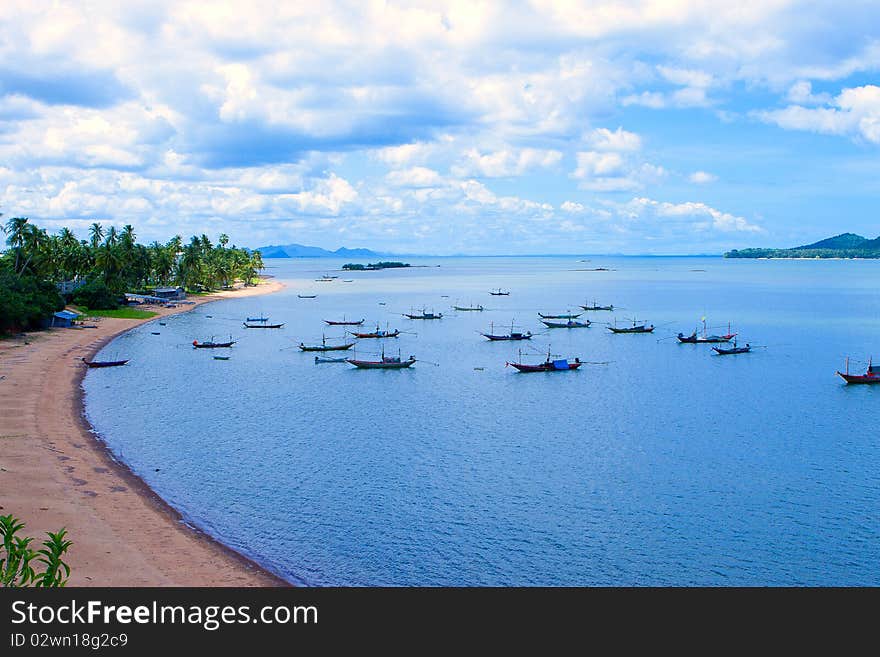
(119, 313)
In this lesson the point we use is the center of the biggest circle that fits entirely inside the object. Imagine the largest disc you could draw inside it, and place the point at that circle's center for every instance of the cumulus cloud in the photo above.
(505, 162)
(702, 177)
(603, 139)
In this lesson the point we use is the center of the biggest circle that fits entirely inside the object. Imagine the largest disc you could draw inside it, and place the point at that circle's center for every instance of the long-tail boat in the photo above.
(386, 363)
(499, 293)
(344, 322)
(105, 363)
(730, 351)
(306, 296)
(513, 335)
(635, 328)
(265, 326)
(464, 308)
(424, 315)
(704, 338)
(549, 365)
(596, 306)
(378, 333)
(330, 359)
(871, 375)
(212, 345)
(326, 347)
(569, 324)
(568, 316)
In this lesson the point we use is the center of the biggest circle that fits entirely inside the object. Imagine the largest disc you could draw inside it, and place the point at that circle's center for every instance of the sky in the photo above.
(533, 127)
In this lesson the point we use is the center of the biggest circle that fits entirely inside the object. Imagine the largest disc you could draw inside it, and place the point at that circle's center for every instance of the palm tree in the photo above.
(96, 233)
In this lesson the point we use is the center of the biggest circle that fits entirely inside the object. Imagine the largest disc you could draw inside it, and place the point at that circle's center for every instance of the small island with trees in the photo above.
(845, 245)
(374, 266)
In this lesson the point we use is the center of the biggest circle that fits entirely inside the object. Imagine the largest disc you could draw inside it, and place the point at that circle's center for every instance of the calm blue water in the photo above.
(664, 466)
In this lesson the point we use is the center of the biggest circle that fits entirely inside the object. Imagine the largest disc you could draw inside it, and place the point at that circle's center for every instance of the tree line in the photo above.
(108, 264)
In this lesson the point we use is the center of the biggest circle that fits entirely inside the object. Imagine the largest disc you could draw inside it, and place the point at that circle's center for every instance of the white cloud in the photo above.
(702, 177)
(571, 206)
(603, 139)
(414, 177)
(505, 162)
(696, 215)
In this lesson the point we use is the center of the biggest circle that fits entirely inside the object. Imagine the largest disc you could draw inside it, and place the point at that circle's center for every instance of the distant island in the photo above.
(301, 251)
(845, 245)
(373, 266)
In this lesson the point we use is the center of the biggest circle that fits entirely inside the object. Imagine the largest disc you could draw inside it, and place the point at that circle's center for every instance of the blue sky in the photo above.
(446, 127)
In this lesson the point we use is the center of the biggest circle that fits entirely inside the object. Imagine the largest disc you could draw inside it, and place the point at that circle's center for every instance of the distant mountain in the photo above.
(845, 245)
(300, 251)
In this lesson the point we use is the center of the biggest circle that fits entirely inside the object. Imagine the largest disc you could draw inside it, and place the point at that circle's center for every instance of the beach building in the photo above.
(64, 318)
(170, 293)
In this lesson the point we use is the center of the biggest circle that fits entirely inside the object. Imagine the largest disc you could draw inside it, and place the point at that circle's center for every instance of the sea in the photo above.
(654, 464)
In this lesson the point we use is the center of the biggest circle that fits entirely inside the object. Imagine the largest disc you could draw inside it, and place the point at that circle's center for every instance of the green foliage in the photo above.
(845, 245)
(17, 558)
(96, 295)
(376, 265)
(25, 301)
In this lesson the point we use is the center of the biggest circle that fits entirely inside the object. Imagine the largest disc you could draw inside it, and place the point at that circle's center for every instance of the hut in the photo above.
(64, 318)
(170, 293)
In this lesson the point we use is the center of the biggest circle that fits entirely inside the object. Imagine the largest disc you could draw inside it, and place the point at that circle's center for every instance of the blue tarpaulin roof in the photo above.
(66, 314)
(560, 364)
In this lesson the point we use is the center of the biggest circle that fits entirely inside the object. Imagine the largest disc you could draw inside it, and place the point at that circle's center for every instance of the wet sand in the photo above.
(55, 473)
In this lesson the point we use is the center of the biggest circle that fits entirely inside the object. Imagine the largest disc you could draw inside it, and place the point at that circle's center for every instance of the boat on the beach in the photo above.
(344, 322)
(263, 326)
(210, 344)
(513, 335)
(568, 316)
(467, 308)
(596, 306)
(424, 315)
(871, 375)
(704, 338)
(549, 365)
(326, 347)
(330, 359)
(499, 293)
(730, 351)
(635, 328)
(385, 363)
(569, 324)
(378, 333)
(105, 363)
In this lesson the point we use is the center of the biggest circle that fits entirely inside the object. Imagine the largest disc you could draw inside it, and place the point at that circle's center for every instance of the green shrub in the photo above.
(17, 557)
(96, 296)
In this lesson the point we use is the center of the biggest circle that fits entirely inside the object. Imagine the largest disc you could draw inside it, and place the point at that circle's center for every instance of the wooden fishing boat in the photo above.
(466, 308)
(568, 316)
(704, 338)
(549, 365)
(499, 293)
(635, 328)
(424, 315)
(343, 322)
(326, 347)
(596, 306)
(725, 351)
(306, 296)
(386, 363)
(105, 363)
(330, 359)
(513, 335)
(264, 326)
(378, 334)
(212, 345)
(871, 375)
(569, 324)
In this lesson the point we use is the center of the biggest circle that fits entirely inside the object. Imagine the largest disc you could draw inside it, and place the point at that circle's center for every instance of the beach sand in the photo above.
(55, 473)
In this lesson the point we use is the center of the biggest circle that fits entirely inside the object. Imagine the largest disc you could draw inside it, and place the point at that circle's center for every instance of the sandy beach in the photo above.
(55, 473)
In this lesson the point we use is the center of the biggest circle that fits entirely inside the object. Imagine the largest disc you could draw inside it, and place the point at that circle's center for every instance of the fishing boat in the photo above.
(212, 345)
(569, 324)
(265, 326)
(467, 308)
(344, 322)
(424, 315)
(704, 338)
(306, 296)
(635, 328)
(569, 316)
(513, 335)
(596, 306)
(549, 365)
(730, 351)
(327, 277)
(105, 363)
(326, 347)
(330, 359)
(499, 293)
(386, 362)
(378, 334)
(871, 375)
(257, 319)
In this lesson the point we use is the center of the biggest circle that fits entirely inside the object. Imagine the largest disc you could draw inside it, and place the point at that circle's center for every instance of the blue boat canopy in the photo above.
(560, 364)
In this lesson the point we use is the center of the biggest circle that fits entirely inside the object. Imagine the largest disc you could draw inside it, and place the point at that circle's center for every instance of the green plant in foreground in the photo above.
(17, 557)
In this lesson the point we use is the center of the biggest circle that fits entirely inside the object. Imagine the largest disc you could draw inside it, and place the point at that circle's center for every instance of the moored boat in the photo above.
(326, 347)
(596, 306)
(344, 322)
(211, 344)
(730, 351)
(513, 335)
(635, 328)
(263, 326)
(306, 296)
(385, 363)
(871, 375)
(424, 315)
(704, 338)
(330, 359)
(378, 333)
(568, 316)
(549, 365)
(105, 363)
(499, 293)
(466, 308)
(569, 324)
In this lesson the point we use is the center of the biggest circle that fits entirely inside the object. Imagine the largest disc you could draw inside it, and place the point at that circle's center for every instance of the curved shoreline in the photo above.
(124, 533)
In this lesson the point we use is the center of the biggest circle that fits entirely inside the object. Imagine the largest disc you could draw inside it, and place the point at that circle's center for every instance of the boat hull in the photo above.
(544, 367)
(211, 345)
(105, 363)
(731, 352)
(381, 365)
(865, 379)
(500, 338)
(340, 347)
(637, 329)
(263, 326)
(332, 323)
(569, 325)
(376, 335)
